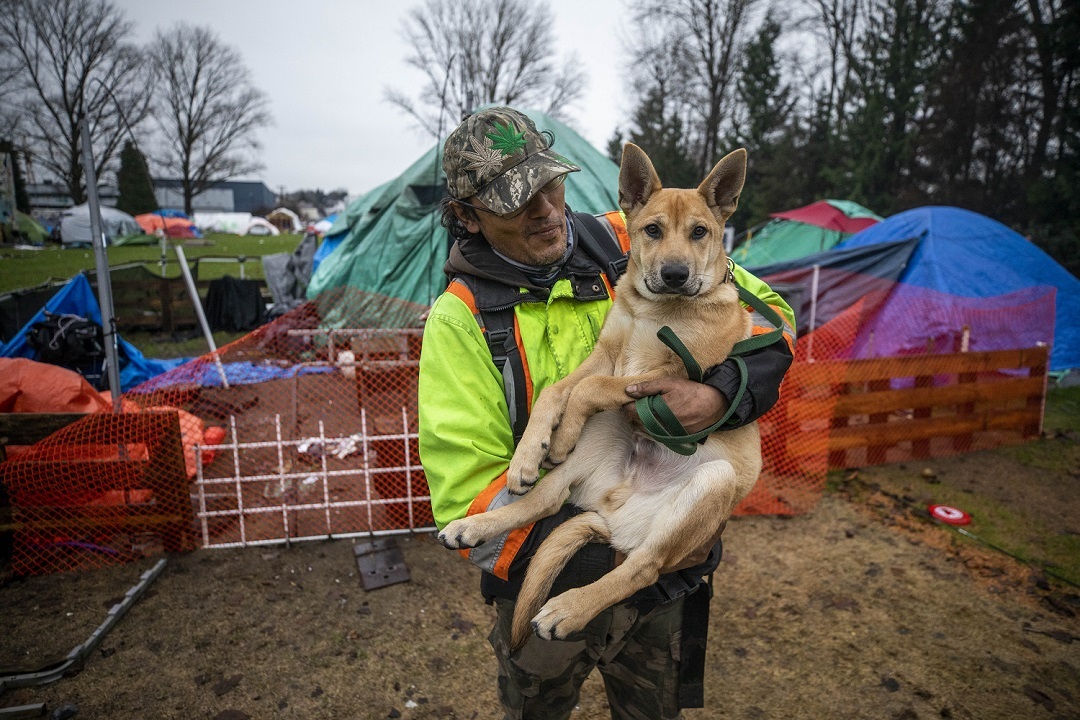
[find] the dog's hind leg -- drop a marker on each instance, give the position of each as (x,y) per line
(572,610)
(689,520)
(550,559)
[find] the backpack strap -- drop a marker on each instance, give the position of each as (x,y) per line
(499,327)
(604,246)
(500,332)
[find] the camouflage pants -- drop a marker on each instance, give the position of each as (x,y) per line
(637,655)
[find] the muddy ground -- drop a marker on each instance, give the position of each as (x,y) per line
(862,608)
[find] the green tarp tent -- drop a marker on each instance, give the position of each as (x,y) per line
(808,230)
(30,229)
(393,243)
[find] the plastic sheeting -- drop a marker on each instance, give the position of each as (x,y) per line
(75,225)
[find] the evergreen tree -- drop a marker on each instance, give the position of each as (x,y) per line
(134,183)
(659,132)
(22,200)
(615,146)
(765,104)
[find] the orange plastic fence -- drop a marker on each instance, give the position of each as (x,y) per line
(307,428)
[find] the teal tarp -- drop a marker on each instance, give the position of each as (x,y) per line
(393,242)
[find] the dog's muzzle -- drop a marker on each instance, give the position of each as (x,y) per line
(674,279)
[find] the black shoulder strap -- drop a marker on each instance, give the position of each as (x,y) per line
(497,325)
(601,245)
(501,340)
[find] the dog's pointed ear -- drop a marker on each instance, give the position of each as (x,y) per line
(637,179)
(724,184)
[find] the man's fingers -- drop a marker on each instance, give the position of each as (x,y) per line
(649,387)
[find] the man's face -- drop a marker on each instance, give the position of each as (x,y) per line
(536,236)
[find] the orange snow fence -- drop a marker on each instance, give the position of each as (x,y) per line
(307,429)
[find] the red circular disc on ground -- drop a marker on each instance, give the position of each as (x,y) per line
(950,515)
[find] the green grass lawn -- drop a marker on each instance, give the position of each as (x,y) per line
(28,268)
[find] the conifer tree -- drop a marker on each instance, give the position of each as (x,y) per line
(134,183)
(22,200)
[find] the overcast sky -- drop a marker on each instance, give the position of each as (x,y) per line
(324,64)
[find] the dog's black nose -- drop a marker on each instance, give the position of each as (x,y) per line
(674,275)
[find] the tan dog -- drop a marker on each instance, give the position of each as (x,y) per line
(650,503)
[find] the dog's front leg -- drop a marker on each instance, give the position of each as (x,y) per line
(590,396)
(546,416)
(544,500)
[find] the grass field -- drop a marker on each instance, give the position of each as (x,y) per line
(27,268)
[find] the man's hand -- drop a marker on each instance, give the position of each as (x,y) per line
(696,405)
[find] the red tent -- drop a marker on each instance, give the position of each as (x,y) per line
(826,214)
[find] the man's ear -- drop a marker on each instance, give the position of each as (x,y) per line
(467,216)
(637,179)
(724,185)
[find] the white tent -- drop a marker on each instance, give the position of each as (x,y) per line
(75,225)
(235,223)
(285,220)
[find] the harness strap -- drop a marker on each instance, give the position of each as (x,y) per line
(655,415)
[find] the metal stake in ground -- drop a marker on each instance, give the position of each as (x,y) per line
(101,261)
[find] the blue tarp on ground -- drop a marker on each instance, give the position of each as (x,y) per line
(77,298)
(965,254)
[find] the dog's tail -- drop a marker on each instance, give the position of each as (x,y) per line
(550,559)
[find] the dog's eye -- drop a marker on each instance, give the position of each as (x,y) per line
(698,232)
(652,230)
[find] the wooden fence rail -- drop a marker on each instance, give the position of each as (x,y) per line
(892,409)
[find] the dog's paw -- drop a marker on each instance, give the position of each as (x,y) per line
(558,453)
(521,476)
(559,618)
(461,534)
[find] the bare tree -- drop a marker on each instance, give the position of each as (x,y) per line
(207,109)
(474,52)
(710,31)
(72,59)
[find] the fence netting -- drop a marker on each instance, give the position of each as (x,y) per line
(307,428)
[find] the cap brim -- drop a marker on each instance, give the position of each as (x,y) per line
(513,190)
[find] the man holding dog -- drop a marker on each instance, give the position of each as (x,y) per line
(531,284)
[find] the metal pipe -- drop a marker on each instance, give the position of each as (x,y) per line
(194,294)
(101,262)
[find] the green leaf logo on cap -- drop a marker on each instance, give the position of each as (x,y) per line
(506,139)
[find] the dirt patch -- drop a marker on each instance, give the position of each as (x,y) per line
(862,608)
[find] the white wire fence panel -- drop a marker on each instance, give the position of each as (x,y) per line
(306,488)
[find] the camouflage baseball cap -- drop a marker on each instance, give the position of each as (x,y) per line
(498,155)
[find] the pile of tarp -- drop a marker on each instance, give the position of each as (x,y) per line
(77,299)
(171,225)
